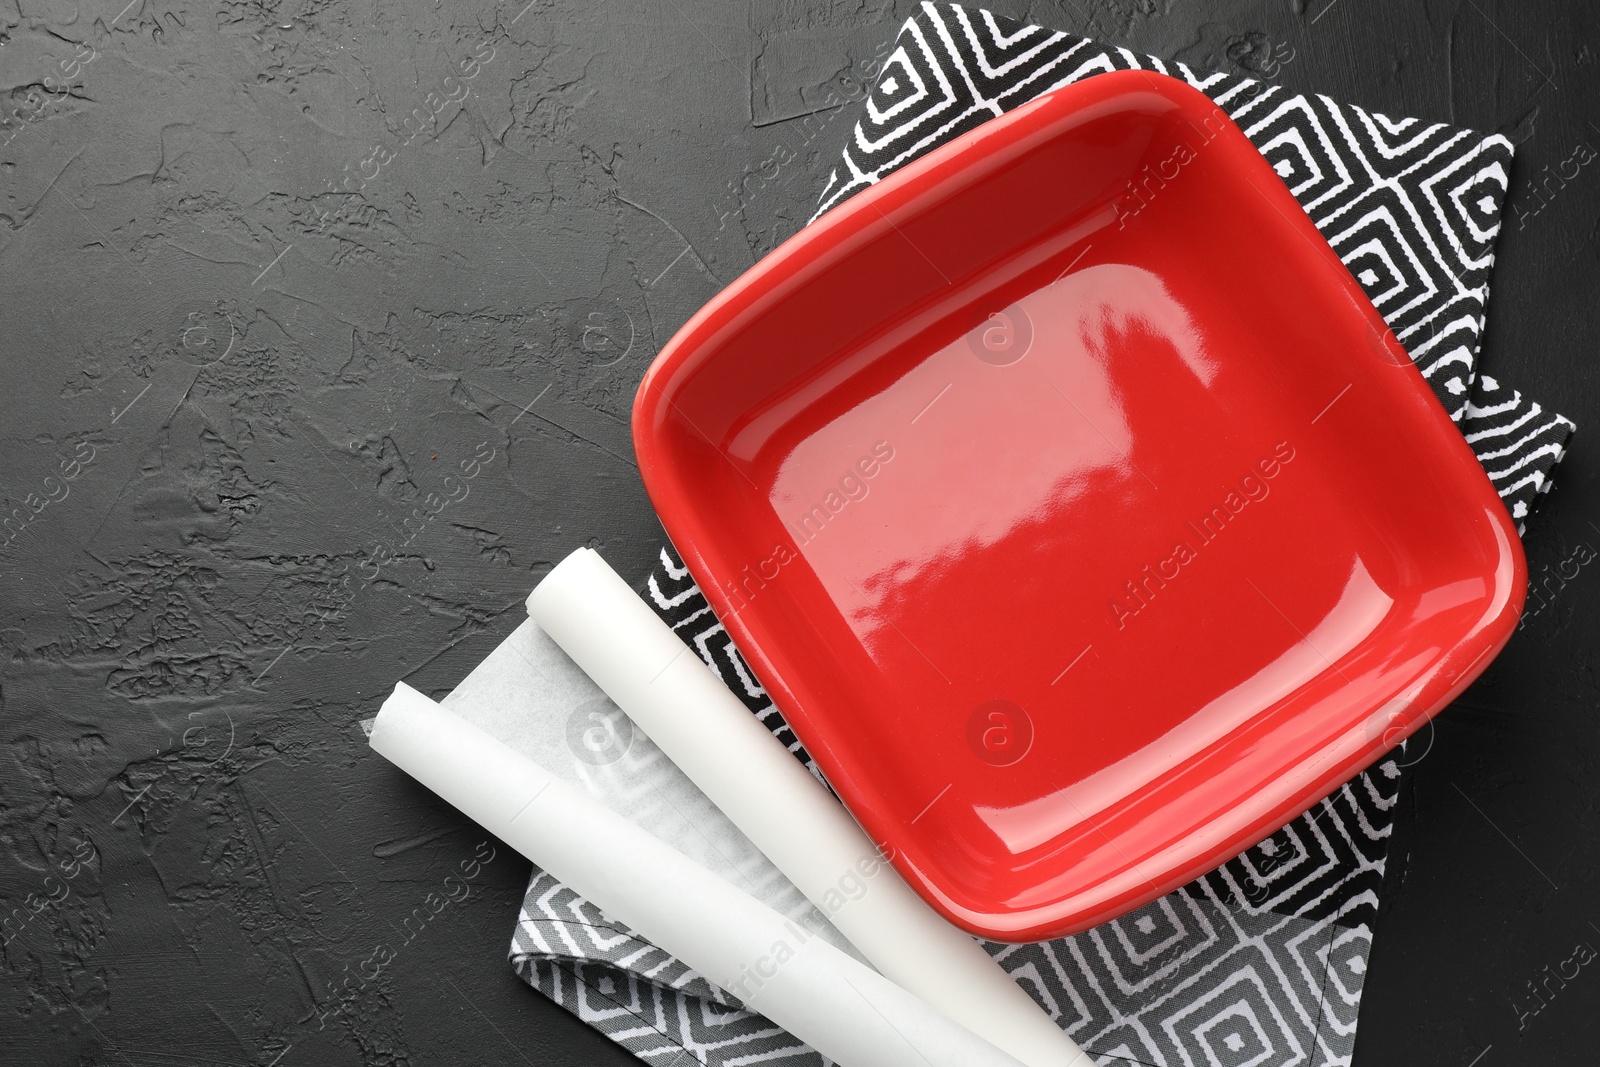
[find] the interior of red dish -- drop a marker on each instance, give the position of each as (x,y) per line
(1076,507)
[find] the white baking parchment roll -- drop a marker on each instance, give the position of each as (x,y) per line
(837,1005)
(529,695)
(703,728)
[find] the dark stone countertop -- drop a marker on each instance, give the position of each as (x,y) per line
(304,465)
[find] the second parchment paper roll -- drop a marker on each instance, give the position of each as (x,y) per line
(833,1002)
(703,728)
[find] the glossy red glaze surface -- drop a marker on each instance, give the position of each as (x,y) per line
(1076,507)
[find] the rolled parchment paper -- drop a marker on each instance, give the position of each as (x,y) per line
(529,694)
(703,728)
(833,1002)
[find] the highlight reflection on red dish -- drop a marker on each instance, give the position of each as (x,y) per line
(1085,531)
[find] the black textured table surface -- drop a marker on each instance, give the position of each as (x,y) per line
(319,326)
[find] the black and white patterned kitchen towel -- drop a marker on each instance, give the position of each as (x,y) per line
(1261,961)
